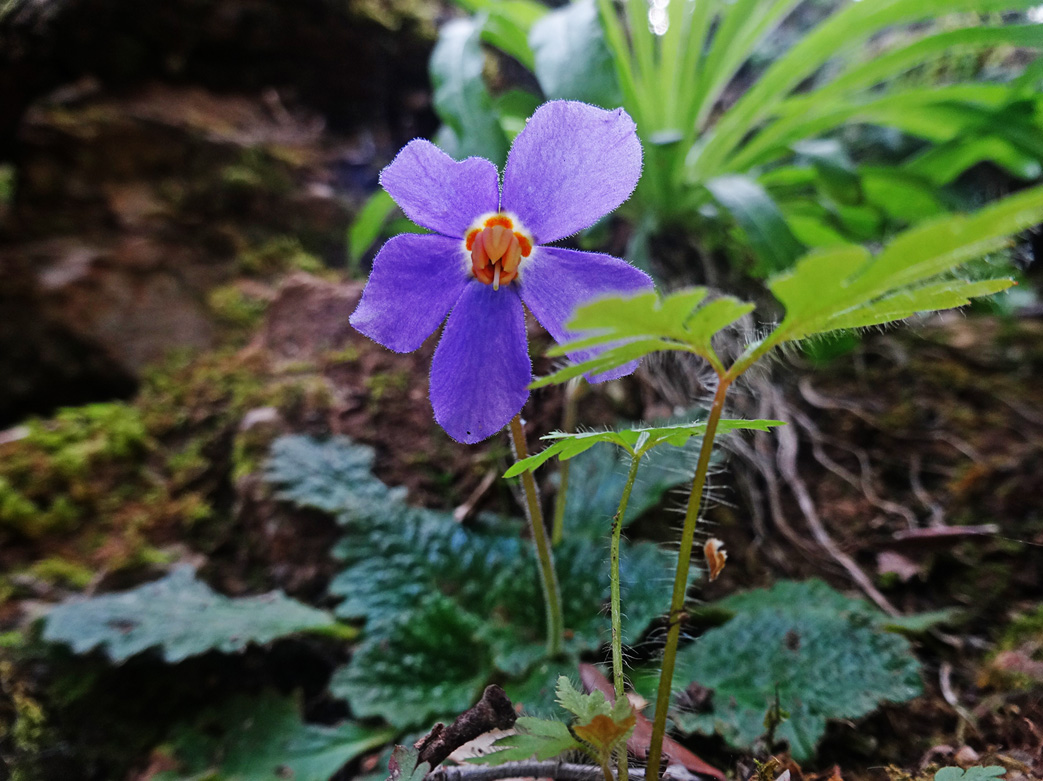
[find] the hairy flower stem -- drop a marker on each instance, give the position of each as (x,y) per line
(617,616)
(573,392)
(684,560)
(551,590)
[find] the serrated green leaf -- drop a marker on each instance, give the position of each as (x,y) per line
(631,327)
(422,666)
(826,655)
(927,298)
(460,96)
(541,739)
(596,481)
(580,704)
(572,61)
(179,615)
(635,441)
(976,773)
(263,739)
(830,286)
(333,476)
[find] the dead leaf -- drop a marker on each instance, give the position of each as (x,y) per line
(715,555)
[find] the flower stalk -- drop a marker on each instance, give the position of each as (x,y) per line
(548,577)
(684,560)
(617,614)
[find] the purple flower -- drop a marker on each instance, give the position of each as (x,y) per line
(570,166)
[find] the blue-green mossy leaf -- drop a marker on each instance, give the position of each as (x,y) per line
(826,655)
(180,616)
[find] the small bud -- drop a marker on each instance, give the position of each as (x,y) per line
(715,556)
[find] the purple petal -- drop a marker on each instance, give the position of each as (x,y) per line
(481,369)
(415,281)
(569,167)
(554,282)
(438,192)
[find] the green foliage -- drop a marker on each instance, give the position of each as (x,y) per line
(635,441)
(444,604)
(179,615)
(460,97)
(773,156)
(262,738)
(825,656)
(584,707)
(541,739)
(599,727)
(632,327)
(367,226)
(405,765)
(571,60)
(597,477)
(334,476)
(847,287)
(759,217)
(421,665)
(976,773)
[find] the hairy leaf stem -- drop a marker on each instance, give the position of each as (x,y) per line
(574,390)
(548,577)
(617,615)
(684,560)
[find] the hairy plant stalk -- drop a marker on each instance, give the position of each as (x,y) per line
(684,560)
(617,615)
(548,577)
(573,392)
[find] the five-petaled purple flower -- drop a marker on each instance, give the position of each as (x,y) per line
(570,166)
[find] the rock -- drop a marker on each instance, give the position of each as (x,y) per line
(309,317)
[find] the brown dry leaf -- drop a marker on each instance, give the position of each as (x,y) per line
(603,732)
(641,738)
(715,555)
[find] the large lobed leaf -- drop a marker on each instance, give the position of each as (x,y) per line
(179,615)
(823,655)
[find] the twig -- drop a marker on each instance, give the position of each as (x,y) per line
(787,460)
(493,711)
(562,771)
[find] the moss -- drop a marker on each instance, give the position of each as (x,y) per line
(7,184)
(235,308)
(256,171)
(379,385)
(276,256)
(108,487)
(62,572)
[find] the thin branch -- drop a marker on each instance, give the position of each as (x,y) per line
(562,771)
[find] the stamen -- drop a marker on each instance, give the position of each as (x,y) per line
(496,250)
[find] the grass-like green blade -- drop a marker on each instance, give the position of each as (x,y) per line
(851,25)
(864,75)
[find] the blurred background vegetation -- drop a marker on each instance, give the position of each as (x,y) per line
(235,545)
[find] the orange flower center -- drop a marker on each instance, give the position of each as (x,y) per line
(496,250)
